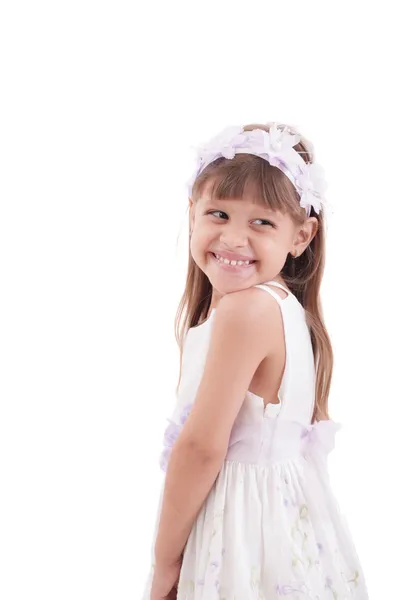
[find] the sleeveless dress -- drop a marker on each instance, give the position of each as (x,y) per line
(270,527)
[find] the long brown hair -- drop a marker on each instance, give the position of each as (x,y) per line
(248,175)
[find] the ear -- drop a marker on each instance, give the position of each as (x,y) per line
(305,233)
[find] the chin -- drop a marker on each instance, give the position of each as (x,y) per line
(226,287)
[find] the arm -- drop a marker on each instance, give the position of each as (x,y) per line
(241,338)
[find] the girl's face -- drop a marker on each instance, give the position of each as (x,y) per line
(239,230)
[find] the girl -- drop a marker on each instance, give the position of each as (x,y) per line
(247,510)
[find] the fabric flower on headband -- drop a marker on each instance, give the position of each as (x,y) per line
(278,144)
(313,186)
(277,148)
(224,144)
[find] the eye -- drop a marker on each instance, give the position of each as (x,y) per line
(213,212)
(265,221)
(220,212)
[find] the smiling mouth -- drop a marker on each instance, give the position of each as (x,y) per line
(233,263)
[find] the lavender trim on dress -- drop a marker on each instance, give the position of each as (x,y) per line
(171,435)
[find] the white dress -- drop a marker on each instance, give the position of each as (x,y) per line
(270,527)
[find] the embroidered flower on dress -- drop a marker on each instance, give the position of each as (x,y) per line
(214,565)
(285,590)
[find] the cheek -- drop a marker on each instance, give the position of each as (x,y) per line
(202,237)
(273,250)
(197,245)
(201,242)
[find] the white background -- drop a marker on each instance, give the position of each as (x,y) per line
(100,105)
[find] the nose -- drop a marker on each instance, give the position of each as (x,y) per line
(234,236)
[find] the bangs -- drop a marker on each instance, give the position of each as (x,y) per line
(250,177)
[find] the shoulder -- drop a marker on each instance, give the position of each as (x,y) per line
(247,306)
(247,316)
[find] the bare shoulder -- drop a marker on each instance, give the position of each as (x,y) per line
(248,316)
(248,306)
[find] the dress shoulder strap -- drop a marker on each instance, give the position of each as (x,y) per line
(265,286)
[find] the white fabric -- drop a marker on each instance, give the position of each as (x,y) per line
(270,526)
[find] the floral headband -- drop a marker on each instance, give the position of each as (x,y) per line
(276,147)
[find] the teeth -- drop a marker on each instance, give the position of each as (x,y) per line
(239,263)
